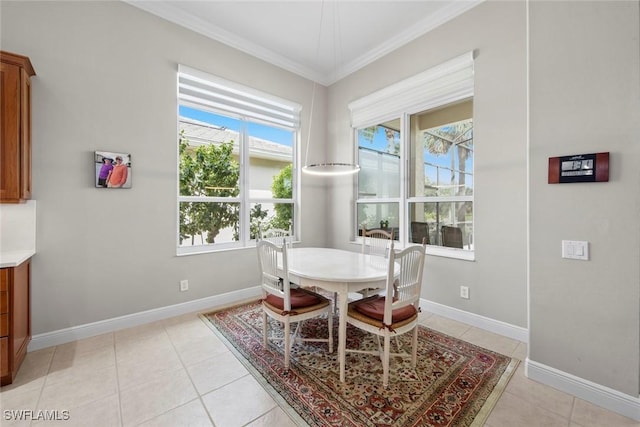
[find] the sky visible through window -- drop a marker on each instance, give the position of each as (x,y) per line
(269,133)
(379,141)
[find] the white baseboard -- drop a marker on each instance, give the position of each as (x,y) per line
(74,333)
(62,336)
(597,394)
(486,323)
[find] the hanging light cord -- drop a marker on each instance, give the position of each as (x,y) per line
(313,97)
(331,168)
(313,91)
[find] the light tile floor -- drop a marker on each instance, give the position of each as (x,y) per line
(176,372)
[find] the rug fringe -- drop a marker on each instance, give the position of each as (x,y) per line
(229,306)
(496,393)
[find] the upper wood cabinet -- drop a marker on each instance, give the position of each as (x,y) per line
(15,144)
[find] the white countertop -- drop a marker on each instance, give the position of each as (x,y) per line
(14,258)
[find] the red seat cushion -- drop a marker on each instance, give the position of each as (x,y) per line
(374,308)
(299,298)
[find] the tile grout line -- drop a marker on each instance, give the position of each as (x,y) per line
(184,366)
(119,390)
(115,357)
(44,383)
(573,406)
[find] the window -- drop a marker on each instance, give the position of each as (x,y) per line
(236,163)
(378,202)
(416,154)
(440,202)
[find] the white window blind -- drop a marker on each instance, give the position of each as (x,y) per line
(204,91)
(445,83)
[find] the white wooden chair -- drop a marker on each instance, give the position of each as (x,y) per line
(376,243)
(395,313)
(286,304)
(277,236)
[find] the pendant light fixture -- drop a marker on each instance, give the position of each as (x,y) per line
(327,168)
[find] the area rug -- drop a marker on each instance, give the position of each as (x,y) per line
(454,384)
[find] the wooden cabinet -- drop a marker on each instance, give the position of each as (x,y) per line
(15,319)
(15,133)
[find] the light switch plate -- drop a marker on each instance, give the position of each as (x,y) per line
(575,249)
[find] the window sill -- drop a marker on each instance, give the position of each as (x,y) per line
(199,250)
(440,251)
(451,253)
(223,247)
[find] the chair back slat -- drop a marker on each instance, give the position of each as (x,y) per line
(279,236)
(404,287)
(376,242)
(274,280)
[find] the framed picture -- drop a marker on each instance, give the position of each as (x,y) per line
(112,170)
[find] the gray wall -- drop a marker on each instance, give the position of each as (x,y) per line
(106,80)
(497,278)
(585,93)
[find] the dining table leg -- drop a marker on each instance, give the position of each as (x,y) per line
(343,299)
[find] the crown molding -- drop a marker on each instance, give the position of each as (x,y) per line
(200,26)
(429,23)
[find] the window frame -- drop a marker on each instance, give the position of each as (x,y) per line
(381,199)
(244,198)
(444,84)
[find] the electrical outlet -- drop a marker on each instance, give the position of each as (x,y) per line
(464,292)
(184,285)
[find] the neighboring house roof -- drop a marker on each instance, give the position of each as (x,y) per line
(199,133)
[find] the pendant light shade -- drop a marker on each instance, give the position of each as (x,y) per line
(331,169)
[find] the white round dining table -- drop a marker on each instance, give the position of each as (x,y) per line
(339,271)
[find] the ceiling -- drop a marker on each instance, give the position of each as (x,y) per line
(320,40)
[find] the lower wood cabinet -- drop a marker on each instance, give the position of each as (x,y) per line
(15,319)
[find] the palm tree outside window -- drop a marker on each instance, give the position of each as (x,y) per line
(441,172)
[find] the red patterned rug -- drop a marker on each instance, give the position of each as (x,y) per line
(454,384)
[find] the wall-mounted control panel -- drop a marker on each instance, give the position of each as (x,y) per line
(575,249)
(579,168)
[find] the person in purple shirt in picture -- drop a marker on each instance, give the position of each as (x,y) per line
(105,171)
